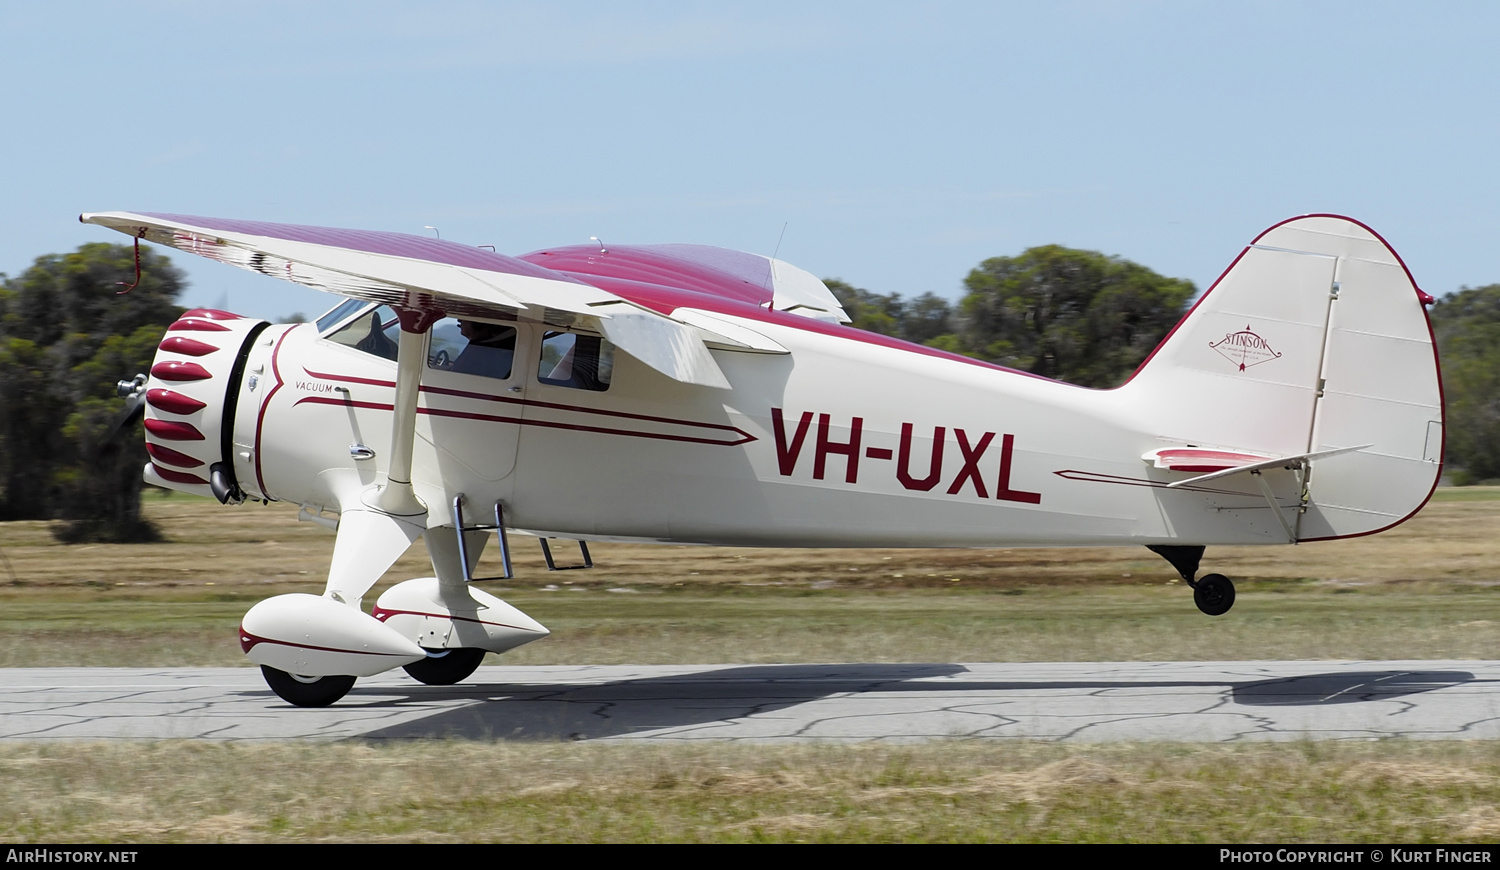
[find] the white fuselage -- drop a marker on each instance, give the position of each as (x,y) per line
(839,443)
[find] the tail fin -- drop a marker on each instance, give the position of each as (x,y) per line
(1314,339)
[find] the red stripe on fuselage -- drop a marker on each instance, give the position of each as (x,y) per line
(545,424)
(531,403)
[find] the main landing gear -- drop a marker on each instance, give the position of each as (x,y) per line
(446,667)
(301,691)
(1214,593)
(440,668)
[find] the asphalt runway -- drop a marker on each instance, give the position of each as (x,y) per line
(1070,701)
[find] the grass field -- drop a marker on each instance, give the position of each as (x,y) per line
(1429,589)
(436,791)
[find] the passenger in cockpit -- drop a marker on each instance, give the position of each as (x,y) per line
(490,351)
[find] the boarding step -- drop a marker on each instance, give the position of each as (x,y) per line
(499,528)
(463,550)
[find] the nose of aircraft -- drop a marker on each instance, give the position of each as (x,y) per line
(193,381)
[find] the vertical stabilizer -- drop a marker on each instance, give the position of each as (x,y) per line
(1315,339)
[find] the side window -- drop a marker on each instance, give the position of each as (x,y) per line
(337,315)
(376,332)
(472,347)
(583,362)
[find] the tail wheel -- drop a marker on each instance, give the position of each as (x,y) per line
(446,667)
(303,691)
(1214,594)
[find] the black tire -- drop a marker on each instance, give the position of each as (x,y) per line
(454,666)
(307,691)
(1214,595)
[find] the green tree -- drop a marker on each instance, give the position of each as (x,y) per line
(66,336)
(1467,328)
(1077,316)
(867,310)
(920,320)
(926,319)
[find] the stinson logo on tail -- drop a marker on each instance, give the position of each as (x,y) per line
(1244,348)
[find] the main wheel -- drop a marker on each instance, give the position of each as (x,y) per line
(446,667)
(307,691)
(1214,594)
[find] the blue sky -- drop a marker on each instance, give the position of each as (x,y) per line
(898,144)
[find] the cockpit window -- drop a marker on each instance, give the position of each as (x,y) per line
(582,362)
(472,347)
(377,332)
(337,315)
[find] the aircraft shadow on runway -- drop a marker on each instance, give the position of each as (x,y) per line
(576,711)
(1345,688)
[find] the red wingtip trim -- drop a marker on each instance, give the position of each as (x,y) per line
(180,371)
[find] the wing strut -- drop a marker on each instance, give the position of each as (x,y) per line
(396,497)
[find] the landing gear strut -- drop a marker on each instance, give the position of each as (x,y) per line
(1214,594)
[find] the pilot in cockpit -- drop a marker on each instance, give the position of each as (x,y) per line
(489,352)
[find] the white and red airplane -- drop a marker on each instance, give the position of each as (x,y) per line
(689,394)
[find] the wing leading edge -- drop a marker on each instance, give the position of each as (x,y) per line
(415,272)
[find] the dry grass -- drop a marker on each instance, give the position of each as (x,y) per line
(1012,791)
(255,548)
(1427,589)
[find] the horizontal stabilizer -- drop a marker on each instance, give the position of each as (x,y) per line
(1200,459)
(1253,463)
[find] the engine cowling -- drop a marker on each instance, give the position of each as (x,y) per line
(191,395)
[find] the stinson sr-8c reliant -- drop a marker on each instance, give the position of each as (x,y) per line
(689,394)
